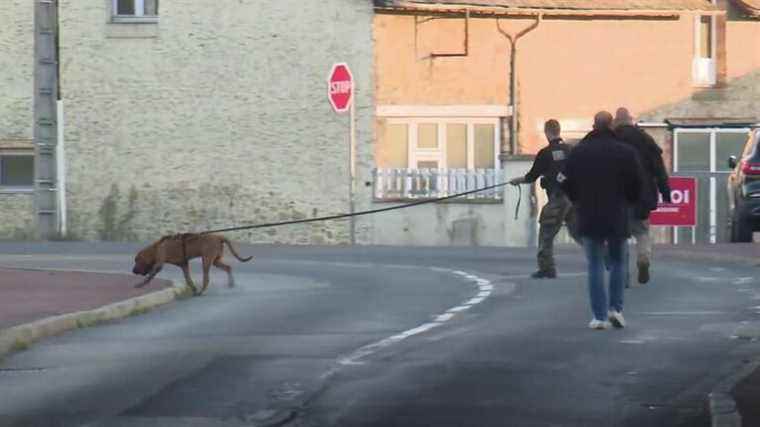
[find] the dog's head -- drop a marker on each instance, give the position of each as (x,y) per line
(145,260)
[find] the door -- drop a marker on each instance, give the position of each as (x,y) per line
(703,154)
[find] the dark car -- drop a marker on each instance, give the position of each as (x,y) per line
(744,191)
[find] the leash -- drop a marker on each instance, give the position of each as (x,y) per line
(369,212)
(519,200)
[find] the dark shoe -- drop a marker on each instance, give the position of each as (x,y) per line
(541,274)
(643,272)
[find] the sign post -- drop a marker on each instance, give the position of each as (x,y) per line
(682,210)
(340,93)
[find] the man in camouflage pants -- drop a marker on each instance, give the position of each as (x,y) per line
(558,210)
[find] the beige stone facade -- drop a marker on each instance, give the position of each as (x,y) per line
(16,113)
(216,115)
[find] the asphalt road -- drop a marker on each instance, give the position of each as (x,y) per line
(387,337)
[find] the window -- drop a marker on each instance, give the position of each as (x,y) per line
(135,9)
(16,171)
(703,68)
(447,143)
(433,157)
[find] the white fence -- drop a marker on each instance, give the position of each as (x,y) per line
(394,184)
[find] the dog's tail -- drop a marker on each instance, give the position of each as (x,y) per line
(234,252)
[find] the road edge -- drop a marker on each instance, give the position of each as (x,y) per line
(688,255)
(21,337)
(721,404)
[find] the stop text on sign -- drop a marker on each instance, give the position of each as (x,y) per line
(340,87)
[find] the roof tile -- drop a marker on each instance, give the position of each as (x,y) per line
(750,6)
(655,5)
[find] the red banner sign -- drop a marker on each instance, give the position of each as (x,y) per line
(682,209)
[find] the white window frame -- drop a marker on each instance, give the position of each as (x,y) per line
(713,144)
(713,132)
(138,17)
(16,189)
(704,70)
(416,154)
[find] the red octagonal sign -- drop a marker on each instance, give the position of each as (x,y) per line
(340,87)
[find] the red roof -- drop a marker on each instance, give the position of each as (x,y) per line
(560,5)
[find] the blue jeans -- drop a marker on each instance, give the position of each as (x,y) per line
(618,265)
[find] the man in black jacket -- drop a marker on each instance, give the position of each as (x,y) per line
(603,179)
(558,210)
(655,181)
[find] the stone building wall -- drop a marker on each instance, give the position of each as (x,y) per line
(215,116)
(16,113)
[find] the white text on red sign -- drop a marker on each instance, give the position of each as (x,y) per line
(340,87)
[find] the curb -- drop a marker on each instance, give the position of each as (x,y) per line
(720,402)
(22,336)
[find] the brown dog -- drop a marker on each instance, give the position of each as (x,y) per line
(179,249)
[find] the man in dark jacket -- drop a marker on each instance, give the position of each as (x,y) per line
(655,181)
(602,178)
(558,210)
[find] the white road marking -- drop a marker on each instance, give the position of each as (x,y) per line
(527,276)
(744,280)
(484,291)
(474,301)
(444,317)
(707,279)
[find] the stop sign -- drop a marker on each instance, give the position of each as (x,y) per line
(340,87)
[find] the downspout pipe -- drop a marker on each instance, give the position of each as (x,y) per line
(513,39)
(60,155)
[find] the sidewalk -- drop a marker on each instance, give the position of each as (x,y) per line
(35,304)
(746,391)
(741,253)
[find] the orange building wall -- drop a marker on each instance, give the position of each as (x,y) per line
(743,48)
(406,75)
(601,65)
(568,69)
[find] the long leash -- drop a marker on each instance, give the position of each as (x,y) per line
(519,200)
(368,212)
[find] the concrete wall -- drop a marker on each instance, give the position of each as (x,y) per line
(215,116)
(16,112)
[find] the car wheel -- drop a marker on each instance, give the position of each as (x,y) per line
(741,229)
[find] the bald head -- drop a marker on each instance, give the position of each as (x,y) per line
(602,120)
(623,116)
